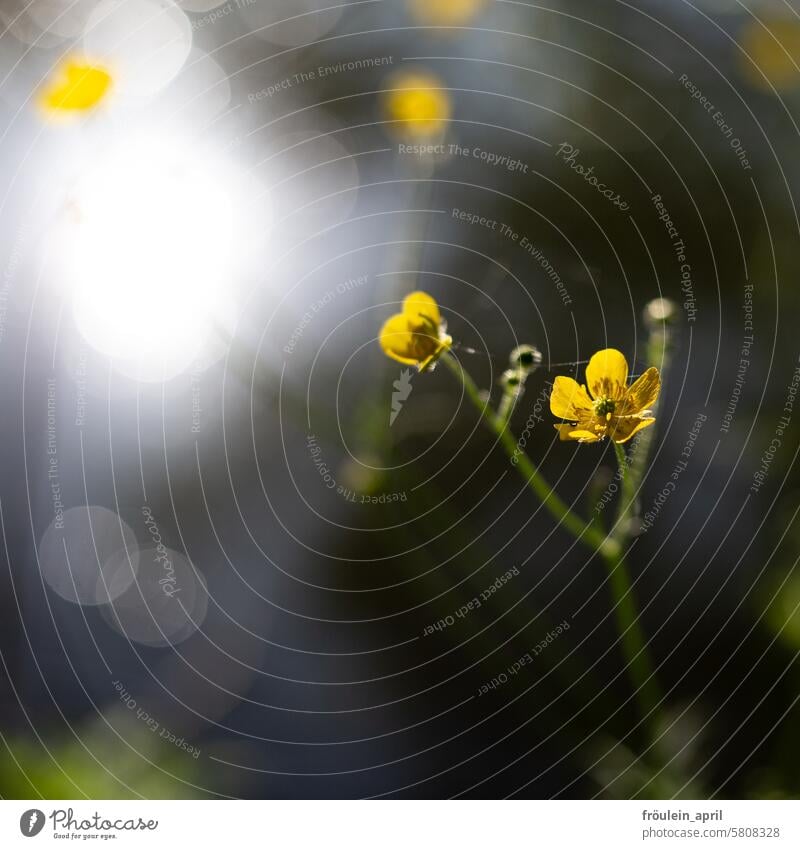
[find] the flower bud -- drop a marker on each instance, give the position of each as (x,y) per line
(525,357)
(660,311)
(512,378)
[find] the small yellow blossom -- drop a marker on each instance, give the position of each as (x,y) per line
(416,336)
(610,407)
(418,102)
(76,87)
(445,12)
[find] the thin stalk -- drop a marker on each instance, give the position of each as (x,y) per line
(586,533)
(634,644)
(610,548)
(505,408)
(627,497)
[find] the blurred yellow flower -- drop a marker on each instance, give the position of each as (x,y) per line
(445,12)
(416,336)
(773,44)
(610,407)
(419,103)
(75,87)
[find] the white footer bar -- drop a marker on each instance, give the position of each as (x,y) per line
(402,824)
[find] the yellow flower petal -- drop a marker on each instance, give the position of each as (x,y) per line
(78,87)
(445,343)
(421,305)
(642,393)
(568,433)
(624,429)
(568,399)
(607,374)
(397,339)
(416,335)
(564,431)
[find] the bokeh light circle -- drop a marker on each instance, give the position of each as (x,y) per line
(166,604)
(88,555)
(146,42)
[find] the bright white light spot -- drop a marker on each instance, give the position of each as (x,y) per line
(145,42)
(167,603)
(90,556)
(149,254)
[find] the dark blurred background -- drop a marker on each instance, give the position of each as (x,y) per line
(301,661)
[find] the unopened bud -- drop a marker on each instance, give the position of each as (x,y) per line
(512,378)
(660,311)
(525,357)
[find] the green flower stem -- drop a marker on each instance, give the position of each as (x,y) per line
(507,403)
(634,644)
(610,548)
(627,497)
(586,533)
(648,692)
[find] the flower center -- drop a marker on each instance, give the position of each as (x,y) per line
(604,406)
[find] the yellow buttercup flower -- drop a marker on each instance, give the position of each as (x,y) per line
(76,87)
(416,336)
(446,12)
(609,407)
(418,102)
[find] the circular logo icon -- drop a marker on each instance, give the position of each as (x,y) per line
(31,822)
